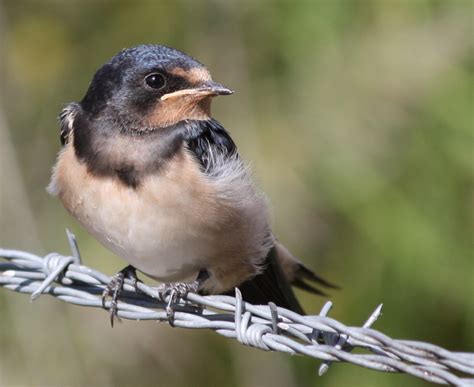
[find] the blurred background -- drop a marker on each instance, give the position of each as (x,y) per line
(358,119)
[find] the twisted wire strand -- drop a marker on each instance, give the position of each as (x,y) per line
(266,327)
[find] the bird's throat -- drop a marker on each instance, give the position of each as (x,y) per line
(170,112)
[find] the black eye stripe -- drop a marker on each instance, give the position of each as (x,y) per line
(180,82)
(155,81)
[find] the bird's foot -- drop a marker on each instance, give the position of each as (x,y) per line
(114,289)
(176,290)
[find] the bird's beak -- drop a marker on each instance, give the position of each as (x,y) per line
(208,88)
(213,88)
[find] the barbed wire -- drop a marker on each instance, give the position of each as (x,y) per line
(266,327)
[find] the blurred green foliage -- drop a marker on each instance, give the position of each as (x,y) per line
(358,119)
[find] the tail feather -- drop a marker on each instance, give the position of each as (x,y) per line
(270,286)
(299,283)
(282,271)
(299,275)
(303,272)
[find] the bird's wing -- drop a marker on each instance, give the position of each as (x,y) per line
(281,269)
(204,138)
(270,286)
(66,122)
(298,274)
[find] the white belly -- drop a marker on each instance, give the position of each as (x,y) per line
(176,222)
(158,237)
(165,228)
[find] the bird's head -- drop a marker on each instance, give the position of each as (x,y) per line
(150,87)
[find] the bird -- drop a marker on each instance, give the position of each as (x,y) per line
(148,172)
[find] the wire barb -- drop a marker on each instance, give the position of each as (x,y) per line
(266,327)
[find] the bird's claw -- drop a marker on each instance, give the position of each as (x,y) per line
(114,289)
(174,291)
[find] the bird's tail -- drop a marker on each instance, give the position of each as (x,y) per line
(299,275)
(274,284)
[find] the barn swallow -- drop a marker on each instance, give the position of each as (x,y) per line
(149,173)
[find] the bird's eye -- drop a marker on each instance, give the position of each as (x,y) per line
(155,81)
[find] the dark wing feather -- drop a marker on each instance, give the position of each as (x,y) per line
(303,273)
(66,121)
(204,137)
(270,286)
(299,283)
